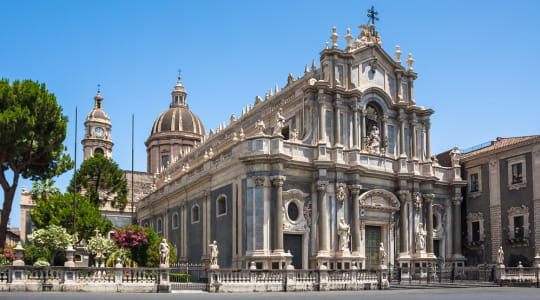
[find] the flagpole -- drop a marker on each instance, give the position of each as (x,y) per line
(132,163)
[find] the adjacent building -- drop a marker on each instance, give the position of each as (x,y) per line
(502,200)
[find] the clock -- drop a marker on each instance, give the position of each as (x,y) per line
(99,131)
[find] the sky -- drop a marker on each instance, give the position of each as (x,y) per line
(477,61)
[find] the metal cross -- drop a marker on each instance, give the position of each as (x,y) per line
(179,72)
(99,87)
(372,15)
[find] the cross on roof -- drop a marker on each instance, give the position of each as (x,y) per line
(372,15)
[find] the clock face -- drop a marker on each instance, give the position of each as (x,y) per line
(99,131)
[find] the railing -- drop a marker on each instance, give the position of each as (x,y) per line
(519,276)
(293,280)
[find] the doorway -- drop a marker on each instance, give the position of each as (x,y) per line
(293,243)
(437,248)
(373,241)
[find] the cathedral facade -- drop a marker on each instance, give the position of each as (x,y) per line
(323,173)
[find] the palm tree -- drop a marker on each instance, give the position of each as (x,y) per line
(42,190)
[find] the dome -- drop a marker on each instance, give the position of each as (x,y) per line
(178,119)
(97,114)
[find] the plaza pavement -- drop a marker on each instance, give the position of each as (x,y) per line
(491,293)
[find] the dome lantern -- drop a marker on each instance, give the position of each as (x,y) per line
(179,95)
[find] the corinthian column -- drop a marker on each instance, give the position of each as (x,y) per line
(322,119)
(363,124)
(354,109)
(428,198)
(404,219)
(323,217)
(277,231)
(427,125)
(355,190)
(402,138)
(457,225)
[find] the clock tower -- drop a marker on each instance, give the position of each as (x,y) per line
(97,133)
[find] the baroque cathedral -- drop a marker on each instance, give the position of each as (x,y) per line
(321,173)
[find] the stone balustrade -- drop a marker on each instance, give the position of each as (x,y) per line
(518,276)
(84,279)
(294,280)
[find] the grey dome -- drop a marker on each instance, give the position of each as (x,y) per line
(178,119)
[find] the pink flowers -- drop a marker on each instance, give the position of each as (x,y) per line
(130,236)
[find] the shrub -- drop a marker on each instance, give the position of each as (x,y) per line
(41,262)
(136,239)
(176,277)
(33,253)
(8,256)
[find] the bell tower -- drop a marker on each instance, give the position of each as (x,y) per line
(97,133)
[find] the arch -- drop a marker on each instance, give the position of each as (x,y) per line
(195,214)
(379,199)
(99,151)
(378,95)
(175,221)
(221,205)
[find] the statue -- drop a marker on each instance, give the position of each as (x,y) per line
(454,156)
(382,254)
(164,253)
(280,122)
(374,140)
(500,256)
(341,195)
(420,238)
(344,231)
(214,255)
(259,126)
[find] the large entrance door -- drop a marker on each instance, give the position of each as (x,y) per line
(293,242)
(373,241)
(437,248)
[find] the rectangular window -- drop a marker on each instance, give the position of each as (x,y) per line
(476,231)
(404,91)
(340,74)
(391,139)
(164,161)
(474,183)
(519,231)
(391,87)
(517,173)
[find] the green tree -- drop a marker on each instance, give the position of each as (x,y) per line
(101,178)
(53,238)
(43,189)
(58,210)
(32,130)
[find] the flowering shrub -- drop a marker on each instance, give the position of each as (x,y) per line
(100,245)
(8,256)
(130,236)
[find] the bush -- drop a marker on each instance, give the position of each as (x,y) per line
(137,240)
(42,262)
(8,256)
(176,277)
(33,253)
(153,254)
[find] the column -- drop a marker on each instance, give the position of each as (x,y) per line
(363,133)
(427,125)
(323,217)
(337,125)
(428,198)
(277,231)
(398,87)
(354,109)
(402,138)
(404,220)
(322,119)
(457,225)
(355,190)
(413,132)
(384,144)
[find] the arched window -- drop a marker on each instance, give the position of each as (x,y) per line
(221,205)
(195,214)
(175,221)
(98,151)
(159,225)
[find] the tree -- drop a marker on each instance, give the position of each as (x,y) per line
(43,189)
(101,178)
(137,240)
(32,129)
(59,211)
(53,238)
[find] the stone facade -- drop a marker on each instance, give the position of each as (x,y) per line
(345,145)
(503,187)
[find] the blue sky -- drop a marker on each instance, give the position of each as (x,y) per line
(477,60)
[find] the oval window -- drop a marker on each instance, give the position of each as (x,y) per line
(292,211)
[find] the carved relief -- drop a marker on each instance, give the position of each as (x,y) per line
(302,221)
(379,199)
(341,195)
(417,198)
(259,181)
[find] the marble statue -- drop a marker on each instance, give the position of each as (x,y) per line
(259,126)
(454,156)
(164,252)
(382,254)
(420,238)
(500,256)
(344,231)
(374,141)
(280,122)
(214,255)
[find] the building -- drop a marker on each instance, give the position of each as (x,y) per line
(502,200)
(319,174)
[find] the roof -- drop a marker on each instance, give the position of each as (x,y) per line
(178,119)
(501,143)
